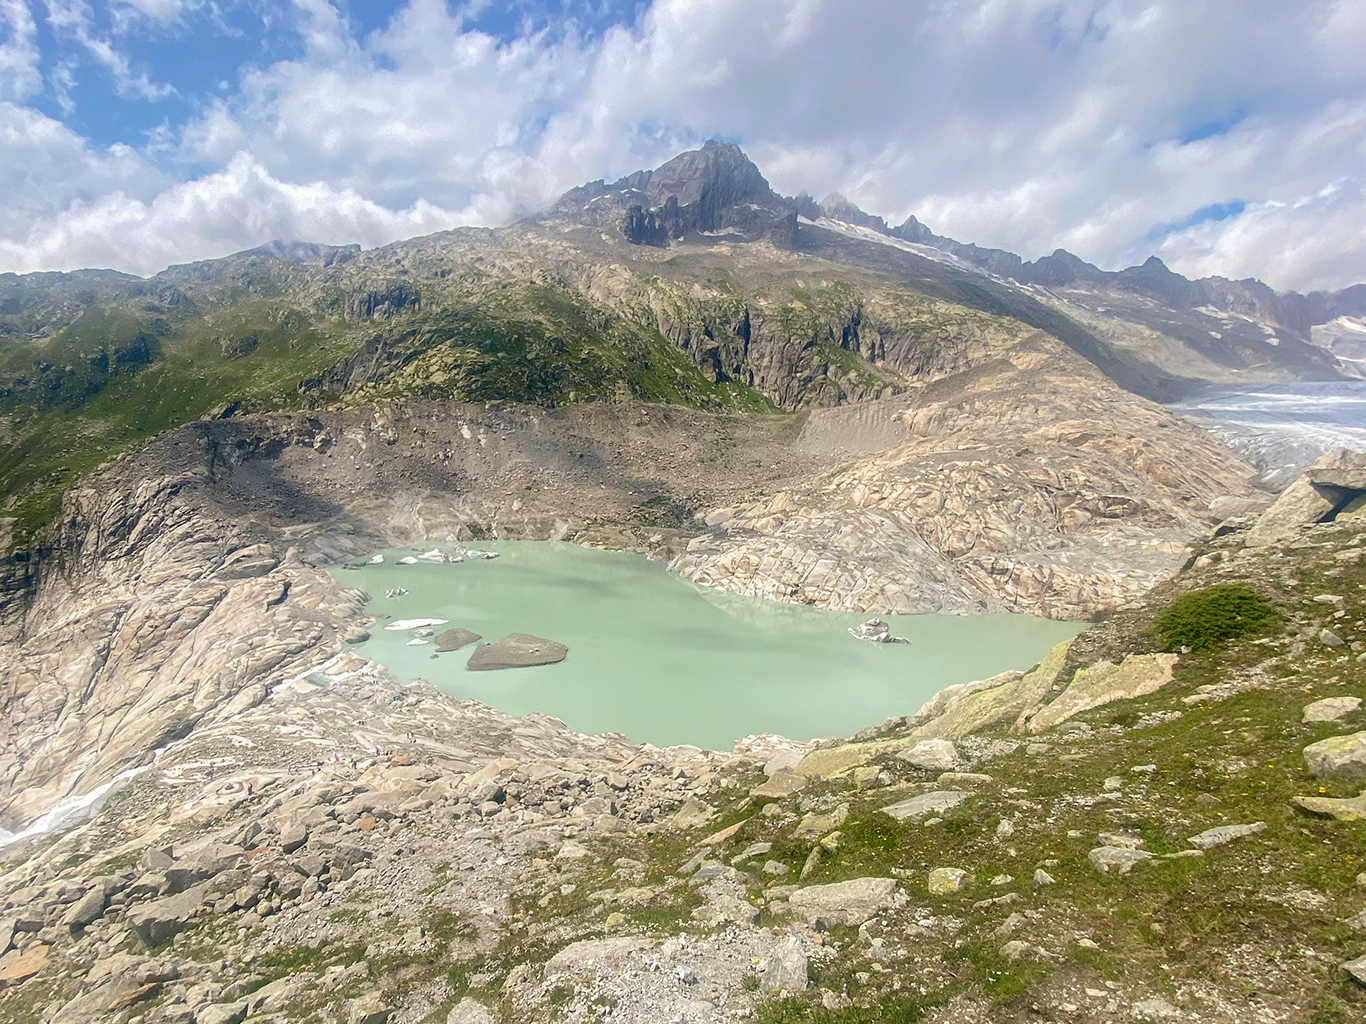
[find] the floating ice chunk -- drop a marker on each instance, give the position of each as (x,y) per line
(407,560)
(377,560)
(418,642)
(400,624)
(434,555)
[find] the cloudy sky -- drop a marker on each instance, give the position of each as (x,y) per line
(1227,136)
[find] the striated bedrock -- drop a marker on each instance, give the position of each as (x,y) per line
(158,613)
(1027,483)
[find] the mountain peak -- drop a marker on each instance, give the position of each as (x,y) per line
(715,190)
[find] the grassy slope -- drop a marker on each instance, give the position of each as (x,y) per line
(136,358)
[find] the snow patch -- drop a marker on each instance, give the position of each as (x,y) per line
(74,810)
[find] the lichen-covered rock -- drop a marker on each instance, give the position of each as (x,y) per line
(961,710)
(1340,809)
(469,1011)
(934,754)
(832,761)
(942,881)
(1338,757)
(787,968)
(1103,683)
(1213,837)
(1330,709)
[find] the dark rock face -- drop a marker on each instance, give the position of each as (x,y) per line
(454,639)
(712,190)
(382,303)
(516,650)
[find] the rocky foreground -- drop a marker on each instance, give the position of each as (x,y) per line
(1123,832)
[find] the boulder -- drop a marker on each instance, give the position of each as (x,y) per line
(832,761)
(926,803)
(86,910)
(958,711)
(1330,709)
(786,969)
(516,650)
(1329,484)
(592,956)
(370,1008)
(1100,684)
(1119,860)
(293,836)
(202,865)
(933,754)
(469,1011)
(813,824)
(1338,757)
(1357,969)
(1341,469)
(782,783)
(850,903)
(454,639)
(221,1013)
(693,813)
(942,881)
(163,919)
(16,966)
(1350,809)
(1224,834)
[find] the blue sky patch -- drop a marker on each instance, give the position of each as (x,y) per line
(1212,212)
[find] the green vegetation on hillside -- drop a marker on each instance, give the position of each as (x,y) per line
(116,378)
(1206,618)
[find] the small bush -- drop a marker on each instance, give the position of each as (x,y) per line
(1206,618)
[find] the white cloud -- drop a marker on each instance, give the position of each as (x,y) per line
(19,75)
(1028,124)
(45,167)
(74,19)
(233,209)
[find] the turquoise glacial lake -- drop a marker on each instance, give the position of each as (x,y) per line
(666,661)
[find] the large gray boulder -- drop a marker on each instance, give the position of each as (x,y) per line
(86,910)
(516,650)
(926,803)
(1327,486)
(1330,709)
(934,754)
(163,919)
(1338,757)
(202,865)
(786,969)
(850,903)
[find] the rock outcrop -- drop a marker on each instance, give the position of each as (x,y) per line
(1332,483)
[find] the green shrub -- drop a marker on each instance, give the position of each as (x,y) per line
(1206,618)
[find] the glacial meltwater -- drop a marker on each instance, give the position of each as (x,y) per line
(666,661)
